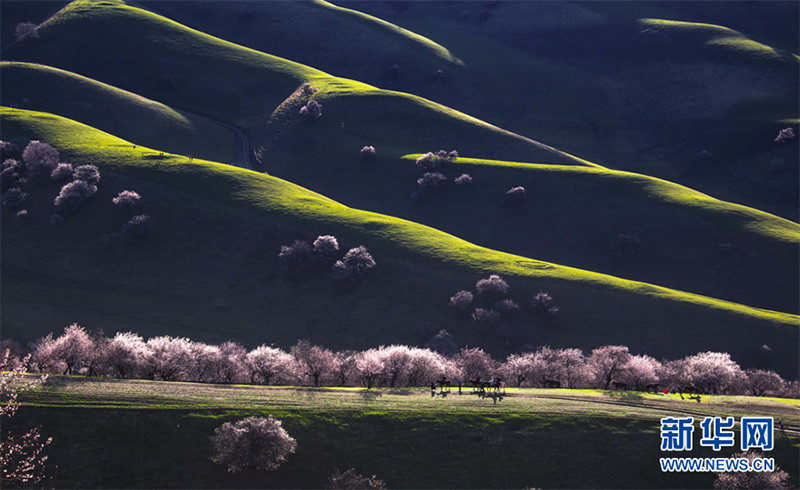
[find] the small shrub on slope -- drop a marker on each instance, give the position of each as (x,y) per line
(73,196)
(354,265)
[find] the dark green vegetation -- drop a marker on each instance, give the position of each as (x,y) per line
(547,438)
(114,111)
(206,210)
(617,84)
(647,87)
(573,217)
(210,271)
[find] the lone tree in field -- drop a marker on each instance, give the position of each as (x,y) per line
(21,458)
(515,196)
(350,480)
(368,154)
(785,135)
(254,442)
(756,480)
(127,199)
(326,246)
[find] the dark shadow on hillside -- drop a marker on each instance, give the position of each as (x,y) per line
(625,395)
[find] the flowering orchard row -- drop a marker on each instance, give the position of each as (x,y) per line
(128,355)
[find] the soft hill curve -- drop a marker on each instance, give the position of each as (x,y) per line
(211,271)
(132,117)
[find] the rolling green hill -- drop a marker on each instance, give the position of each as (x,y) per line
(190,70)
(211,273)
(564,228)
(573,215)
(600,80)
(405,437)
(132,117)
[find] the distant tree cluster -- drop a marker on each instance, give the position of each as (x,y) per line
(38,163)
(127,355)
(302,257)
(431,161)
(491,308)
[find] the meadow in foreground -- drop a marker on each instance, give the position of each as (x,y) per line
(551,438)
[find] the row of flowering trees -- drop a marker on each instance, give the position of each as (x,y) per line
(128,355)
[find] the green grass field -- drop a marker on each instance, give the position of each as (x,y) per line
(125,114)
(233,222)
(561,226)
(546,438)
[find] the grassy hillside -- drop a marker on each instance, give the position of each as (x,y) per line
(601,81)
(233,222)
(573,215)
(191,70)
(132,117)
(405,437)
(564,228)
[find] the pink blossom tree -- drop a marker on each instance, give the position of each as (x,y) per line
(73,348)
(369,367)
(40,159)
(518,367)
(712,372)
(608,363)
(474,362)
(125,354)
(345,366)
(167,358)
(21,458)
(204,360)
(43,354)
(268,364)
(231,365)
(313,361)
(254,442)
(572,367)
(761,382)
(641,371)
